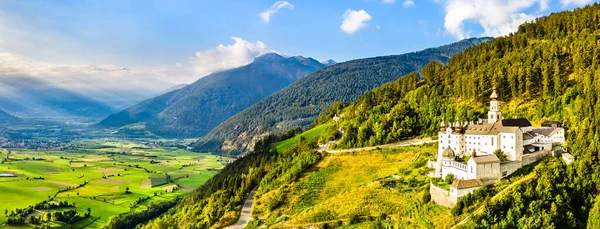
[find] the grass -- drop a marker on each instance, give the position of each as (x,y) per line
(377,187)
(107,175)
(309,135)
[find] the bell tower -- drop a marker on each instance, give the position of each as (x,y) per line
(494,114)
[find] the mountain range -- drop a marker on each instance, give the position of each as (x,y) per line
(298,104)
(195,109)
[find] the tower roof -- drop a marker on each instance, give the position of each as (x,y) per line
(448,153)
(494,94)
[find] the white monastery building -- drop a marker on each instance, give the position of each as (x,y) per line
(466,149)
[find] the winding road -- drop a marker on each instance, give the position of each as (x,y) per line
(412,142)
(246,215)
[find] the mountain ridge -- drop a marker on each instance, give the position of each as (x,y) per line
(195,109)
(299,103)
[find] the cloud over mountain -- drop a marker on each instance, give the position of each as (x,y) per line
(225,57)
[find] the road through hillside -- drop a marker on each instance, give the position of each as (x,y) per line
(412,142)
(246,215)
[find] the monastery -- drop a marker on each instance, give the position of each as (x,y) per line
(468,150)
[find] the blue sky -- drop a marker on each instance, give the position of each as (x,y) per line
(176,41)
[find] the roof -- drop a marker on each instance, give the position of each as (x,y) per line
(490,128)
(551,122)
(549,131)
(528,136)
(518,122)
(448,153)
(528,148)
(486,159)
(494,95)
(463,184)
(481,129)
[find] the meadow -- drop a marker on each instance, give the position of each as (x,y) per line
(309,135)
(110,177)
(383,187)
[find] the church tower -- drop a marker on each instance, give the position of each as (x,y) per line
(494,114)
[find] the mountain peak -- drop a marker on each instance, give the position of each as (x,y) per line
(329,62)
(269,57)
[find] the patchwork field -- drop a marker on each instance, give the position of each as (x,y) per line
(383,187)
(108,177)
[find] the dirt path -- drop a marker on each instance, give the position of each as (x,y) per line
(412,142)
(246,215)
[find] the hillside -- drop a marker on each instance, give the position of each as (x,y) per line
(546,70)
(298,104)
(195,109)
(29,97)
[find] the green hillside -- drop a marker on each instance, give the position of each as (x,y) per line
(298,104)
(310,135)
(547,70)
(195,109)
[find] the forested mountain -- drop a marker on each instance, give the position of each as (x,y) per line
(298,104)
(29,97)
(195,109)
(549,69)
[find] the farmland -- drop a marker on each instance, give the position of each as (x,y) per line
(109,177)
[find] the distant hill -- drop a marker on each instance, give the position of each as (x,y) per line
(195,109)
(6,118)
(299,103)
(28,97)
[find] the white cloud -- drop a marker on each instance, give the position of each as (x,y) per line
(266,15)
(496,17)
(408,3)
(225,57)
(389,1)
(354,20)
(576,2)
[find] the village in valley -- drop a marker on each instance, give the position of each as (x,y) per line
(474,154)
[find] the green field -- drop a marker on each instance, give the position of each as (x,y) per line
(107,168)
(309,135)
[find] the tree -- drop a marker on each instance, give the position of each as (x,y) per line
(500,155)
(449,178)
(127,190)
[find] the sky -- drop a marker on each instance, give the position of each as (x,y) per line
(153,45)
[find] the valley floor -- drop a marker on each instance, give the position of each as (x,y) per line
(108,177)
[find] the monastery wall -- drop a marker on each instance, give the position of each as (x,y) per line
(441,197)
(533,157)
(509,167)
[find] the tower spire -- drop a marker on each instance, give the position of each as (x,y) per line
(494,114)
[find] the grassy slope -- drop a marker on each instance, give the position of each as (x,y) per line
(309,135)
(344,186)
